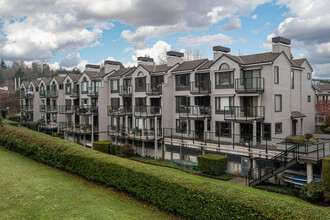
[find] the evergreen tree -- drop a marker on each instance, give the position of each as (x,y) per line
(3,64)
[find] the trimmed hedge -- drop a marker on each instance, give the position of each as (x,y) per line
(59,135)
(32,125)
(15,118)
(326,172)
(102,146)
(212,164)
(187,195)
(313,191)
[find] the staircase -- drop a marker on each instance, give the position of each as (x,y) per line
(277,164)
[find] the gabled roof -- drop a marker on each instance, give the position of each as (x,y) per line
(156,68)
(59,79)
(35,82)
(206,65)
(189,65)
(259,58)
(74,77)
(297,114)
(26,83)
(122,71)
(299,62)
(47,80)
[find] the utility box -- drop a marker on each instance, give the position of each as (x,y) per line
(245,166)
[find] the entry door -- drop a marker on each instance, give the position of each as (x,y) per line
(247,132)
(199,128)
(294,127)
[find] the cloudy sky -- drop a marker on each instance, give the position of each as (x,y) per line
(71,33)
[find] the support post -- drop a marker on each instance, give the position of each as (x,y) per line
(309,172)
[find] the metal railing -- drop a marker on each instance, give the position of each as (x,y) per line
(67,109)
(81,128)
(27,95)
(244,113)
(147,111)
(51,108)
(47,124)
(119,110)
(134,133)
(74,93)
(202,87)
(86,110)
(194,111)
(249,85)
(154,89)
(125,90)
(51,93)
(93,92)
(26,108)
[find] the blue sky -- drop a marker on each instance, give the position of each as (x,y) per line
(69,33)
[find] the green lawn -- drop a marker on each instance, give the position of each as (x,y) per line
(29,189)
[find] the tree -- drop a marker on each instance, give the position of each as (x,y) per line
(1,77)
(3,64)
(75,70)
(19,73)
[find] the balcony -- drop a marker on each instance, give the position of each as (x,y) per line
(26,95)
(147,111)
(51,108)
(51,93)
(42,94)
(154,89)
(26,108)
(195,112)
(86,110)
(244,114)
(119,111)
(93,92)
(203,87)
(67,109)
(125,91)
(81,128)
(145,135)
(250,85)
(47,124)
(74,93)
(63,126)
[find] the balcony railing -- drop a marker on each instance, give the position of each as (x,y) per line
(47,124)
(81,128)
(74,93)
(244,113)
(148,111)
(67,109)
(42,94)
(119,110)
(134,133)
(51,108)
(203,87)
(154,89)
(51,93)
(26,95)
(93,92)
(195,112)
(26,108)
(125,90)
(87,110)
(63,126)
(249,85)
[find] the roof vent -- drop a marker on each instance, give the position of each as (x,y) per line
(111,62)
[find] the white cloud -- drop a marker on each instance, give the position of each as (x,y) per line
(71,61)
(254,17)
(190,41)
(234,24)
(267,24)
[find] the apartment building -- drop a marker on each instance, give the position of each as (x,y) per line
(322,104)
(181,108)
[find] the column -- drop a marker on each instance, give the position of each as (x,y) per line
(92,138)
(156,137)
(126,124)
(309,168)
(143,149)
(254,133)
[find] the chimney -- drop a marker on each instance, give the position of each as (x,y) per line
(173,58)
(110,65)
(219,50)
(282,44)
(92,67)
(145,61)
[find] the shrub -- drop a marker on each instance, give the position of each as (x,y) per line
(32,125)
(296,139)
(1,119)
(4,113)
(327,129)
(189,196)
(313,192)
(212,164)
(102,146)
(118,151)
(112,149)
(308,136)
(127,150)
(8,122)
(16,118)
(326,172)
(59,134)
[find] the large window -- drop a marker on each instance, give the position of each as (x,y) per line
(140,84)
(292,79)
(278,103)
(222,102)
(115,102)
(276,74)
(140,102)
(181,126)
(278,128)
(267,132)
(224,80)
(114,86)
(222,129)
(67,88)
(181,100)
(84,86)
(182,82)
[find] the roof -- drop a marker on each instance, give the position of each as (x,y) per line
(259,58)
(59,79)
(321,87)
(297,114)
(47,80)
(189,65)
(26,83)
(206,65)
(75,77)
(122,71)
(156,68)
(299,62)
(35,82)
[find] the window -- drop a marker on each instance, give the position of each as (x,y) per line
(292,80)
(140,84)
(84,85)
(222,129)
(267,132)
(181,100)
(222,102)
(115,102)
(182,82)
(67,88)
(61,86)
(114,86)
(278,128)
(308,76)
(140,102)
(224,80)
(278,103)
(181,126)
(308,98)
(96,85)
(276,74)
(37,89)
(140,74)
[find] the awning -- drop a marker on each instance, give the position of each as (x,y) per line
(296,114)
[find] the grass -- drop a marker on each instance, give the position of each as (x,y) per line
(287,190)
(8,122)
(29,189)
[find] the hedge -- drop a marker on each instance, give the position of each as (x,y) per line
(187,195)
(59,134)
(326,172)
(4,113)
(32,125)
(15,118)
(102,146)
(212,164)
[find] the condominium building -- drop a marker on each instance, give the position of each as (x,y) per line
(182,107)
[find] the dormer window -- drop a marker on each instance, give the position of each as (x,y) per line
(225,77)
(140,82)
(68,87)
(84,85)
